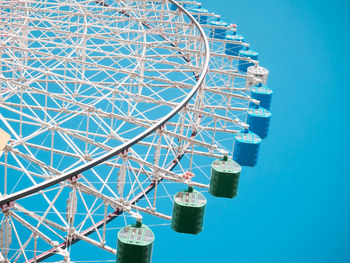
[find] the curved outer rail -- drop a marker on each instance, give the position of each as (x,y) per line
(51,182)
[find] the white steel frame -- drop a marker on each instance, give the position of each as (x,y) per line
(45,83)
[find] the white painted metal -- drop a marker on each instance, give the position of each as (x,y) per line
(257,74)
(106,102)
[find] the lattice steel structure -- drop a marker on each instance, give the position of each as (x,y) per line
(108,105)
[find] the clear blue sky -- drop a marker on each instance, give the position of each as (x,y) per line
(294,206)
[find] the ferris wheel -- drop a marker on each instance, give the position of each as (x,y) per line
(116,116)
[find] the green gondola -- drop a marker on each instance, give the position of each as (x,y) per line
(224,178)
(188,211)
(135,244)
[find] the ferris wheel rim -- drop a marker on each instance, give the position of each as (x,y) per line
(119,149)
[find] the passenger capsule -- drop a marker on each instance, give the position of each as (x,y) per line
(232,49)
(200,15)
(215,32)
(135,244)
(247,53)
(224,178)
(188,211)
(246,148)
(259,121)
(263,94)
(259,73)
